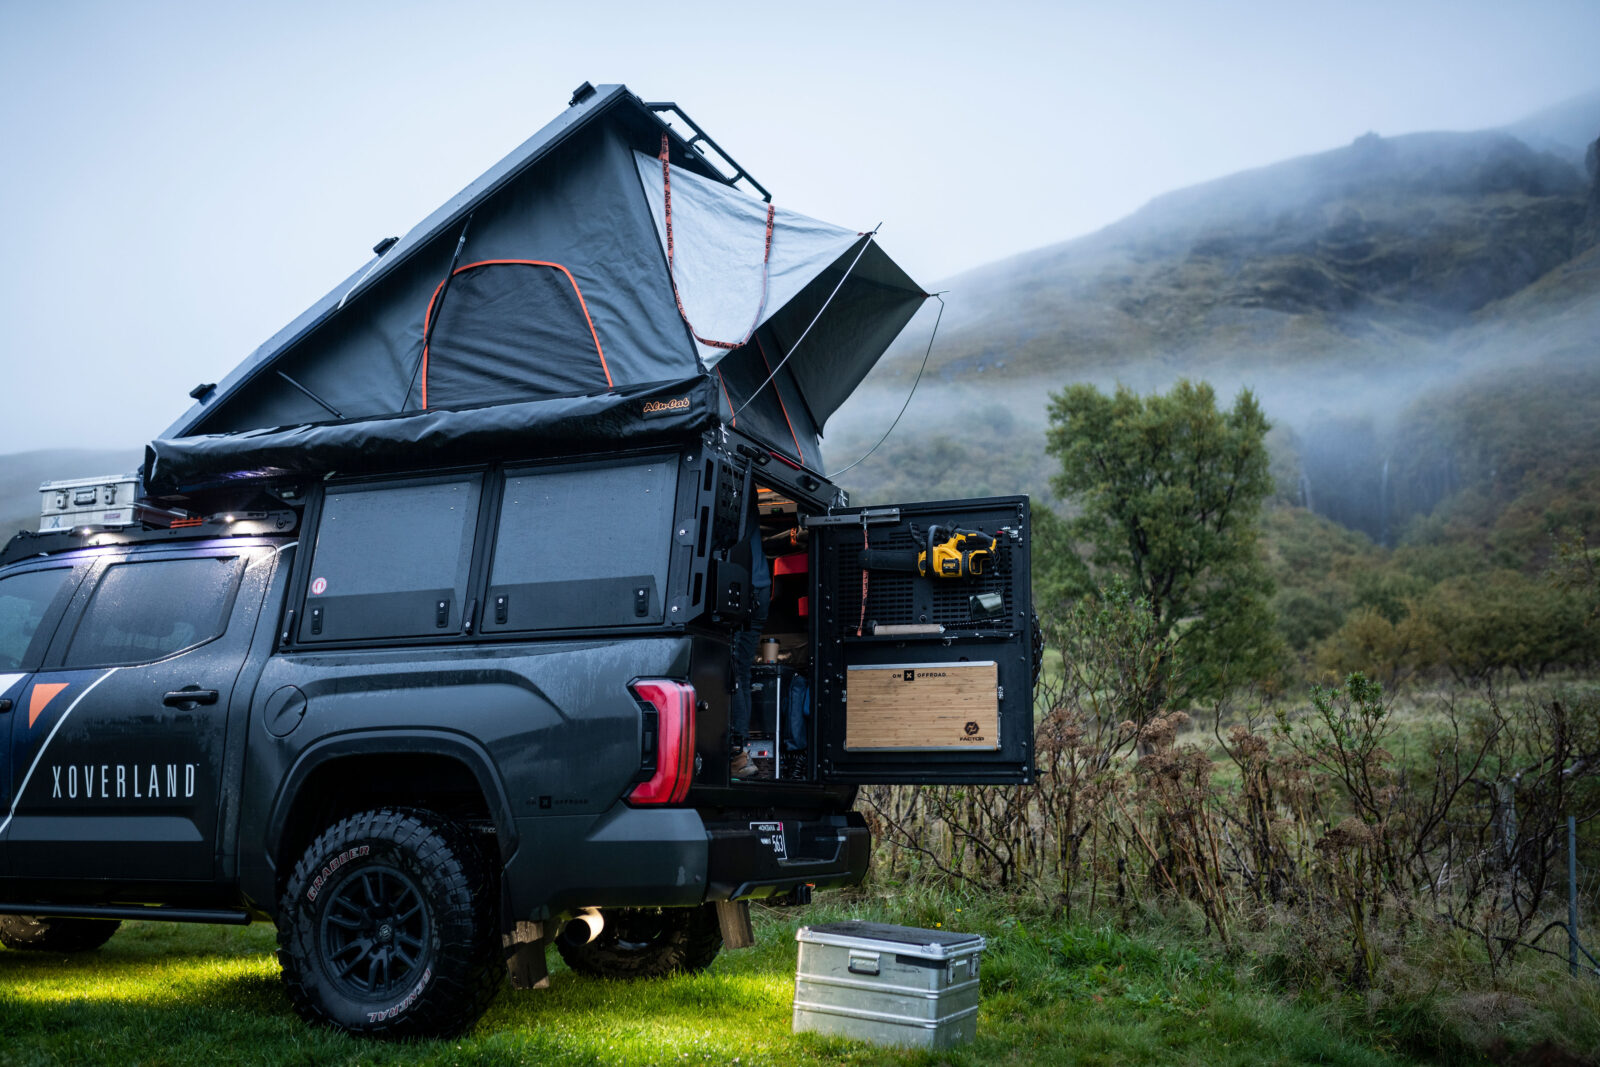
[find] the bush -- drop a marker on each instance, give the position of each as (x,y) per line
(1369,642)
(1505,621)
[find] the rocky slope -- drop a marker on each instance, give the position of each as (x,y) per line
(1343,287)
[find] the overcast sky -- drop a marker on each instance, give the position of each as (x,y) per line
(179,180)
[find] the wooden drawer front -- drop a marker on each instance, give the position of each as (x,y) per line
(923,706)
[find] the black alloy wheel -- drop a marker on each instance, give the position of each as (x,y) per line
(389,927)
(375,932)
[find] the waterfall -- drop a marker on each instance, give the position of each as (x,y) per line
(1383,505)
(1305,492)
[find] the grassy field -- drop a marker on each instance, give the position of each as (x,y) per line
(1052,993)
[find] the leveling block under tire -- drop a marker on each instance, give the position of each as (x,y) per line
(647,943)
(388,927)
(33,934)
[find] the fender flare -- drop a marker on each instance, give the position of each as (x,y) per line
(385,741)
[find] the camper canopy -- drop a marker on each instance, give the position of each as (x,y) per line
(606,282)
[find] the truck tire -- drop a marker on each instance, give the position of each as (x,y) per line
(46,934)
(388,927)
(648,943)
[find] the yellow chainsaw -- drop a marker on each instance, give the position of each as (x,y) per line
(945,552)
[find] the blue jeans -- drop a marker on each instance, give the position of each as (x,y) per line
(796,710)
(745,643)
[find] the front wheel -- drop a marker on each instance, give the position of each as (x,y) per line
(35,934)
(647,943)
(387,927)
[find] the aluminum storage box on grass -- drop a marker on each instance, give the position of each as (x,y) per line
(892,985)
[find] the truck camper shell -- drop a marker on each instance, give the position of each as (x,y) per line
(604,283)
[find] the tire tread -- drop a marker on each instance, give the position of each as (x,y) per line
(466,977)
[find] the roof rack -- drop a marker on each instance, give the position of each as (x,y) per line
(26,544)
(739,173)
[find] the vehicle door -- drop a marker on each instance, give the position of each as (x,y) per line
(923,679)
(32,600)
(126,756)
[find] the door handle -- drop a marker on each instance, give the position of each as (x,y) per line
(189,698)
(5,704)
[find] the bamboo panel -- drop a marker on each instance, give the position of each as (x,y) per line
(923,706)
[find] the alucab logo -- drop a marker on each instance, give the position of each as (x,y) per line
(122,781)
(662,407)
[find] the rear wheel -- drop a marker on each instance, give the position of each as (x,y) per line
(44,934)
(388,927)
(648,943)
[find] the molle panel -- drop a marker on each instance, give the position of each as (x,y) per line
(895,598)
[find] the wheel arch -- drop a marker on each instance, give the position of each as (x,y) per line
(337,776)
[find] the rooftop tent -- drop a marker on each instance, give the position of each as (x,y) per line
(542,294)
(722,274)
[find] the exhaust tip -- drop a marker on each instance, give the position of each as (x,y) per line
(583,927)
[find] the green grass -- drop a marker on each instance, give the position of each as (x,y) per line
(1052,993)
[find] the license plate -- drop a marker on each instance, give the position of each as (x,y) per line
(772,836)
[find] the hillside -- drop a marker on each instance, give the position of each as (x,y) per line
(1350,251)
(1343,287)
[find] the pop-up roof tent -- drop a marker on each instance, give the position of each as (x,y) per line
(603,284)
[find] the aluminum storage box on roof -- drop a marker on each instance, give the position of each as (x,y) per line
(892,985)
(104,501)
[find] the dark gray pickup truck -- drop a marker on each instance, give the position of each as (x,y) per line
(423,721)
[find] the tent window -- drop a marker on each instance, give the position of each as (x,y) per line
(392,560)
(510,330)
(583,546)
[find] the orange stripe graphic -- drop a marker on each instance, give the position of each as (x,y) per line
(42,695)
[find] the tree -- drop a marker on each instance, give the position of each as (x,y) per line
(1170,490)
(1504,620)
(1369,642)
(1060,576)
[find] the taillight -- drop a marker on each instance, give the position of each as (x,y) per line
(674,742)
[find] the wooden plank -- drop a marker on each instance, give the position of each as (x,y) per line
(913,706)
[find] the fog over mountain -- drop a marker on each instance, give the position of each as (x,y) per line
(1344,288)
(1566,128)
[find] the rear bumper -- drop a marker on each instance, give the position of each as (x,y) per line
(626,858)
(675,857)
(752,857)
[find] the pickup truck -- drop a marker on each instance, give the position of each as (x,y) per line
(429,723)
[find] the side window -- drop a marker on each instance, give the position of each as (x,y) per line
(146,609)
(392,560)
(585,546)
(25,599)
